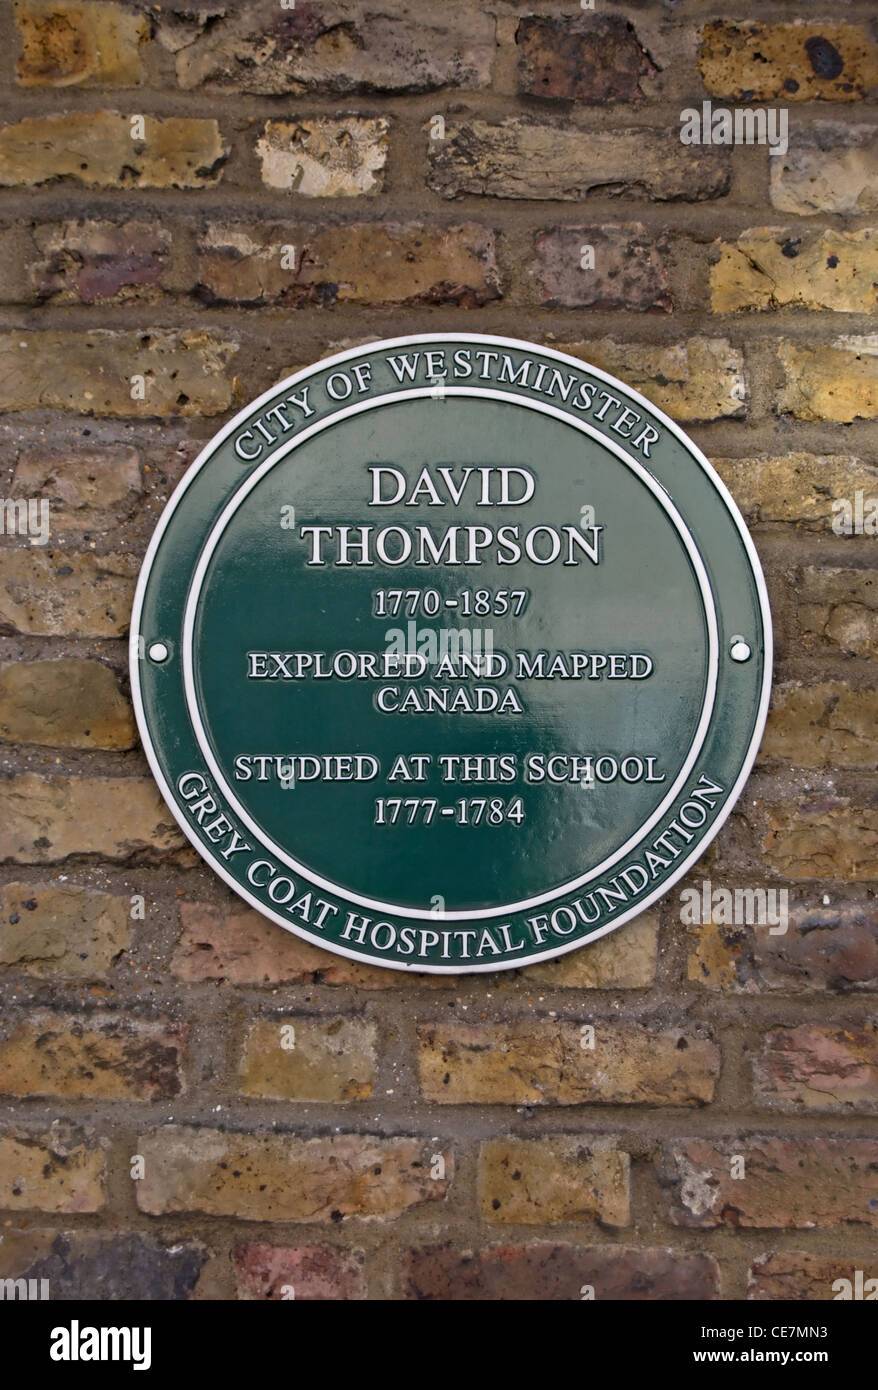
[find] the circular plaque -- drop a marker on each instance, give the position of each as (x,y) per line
(451,653)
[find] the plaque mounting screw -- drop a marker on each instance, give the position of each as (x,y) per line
(158,651)
(739,650)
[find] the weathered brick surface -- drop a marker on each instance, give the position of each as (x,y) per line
(818,1068)
(65,704)
(796,1275)
(774,268)
(95,261)
(524,1064)
(323,158)
(630,268)
(331,48)
(85,488)
(302,1058)
(47,593)
(826,948)
(93,1057)
(543,1181)
(593,59)
(60,930)
(834,381)
(354,264)
(838,608)
(96,148)
(90,261)
(824,838)
(181,373)
(86,1265)
(53,1172)
(524,158)
(825,725)
(796,487)
(89,43)
(830,167)
(50,818)
(702,379)
(788,62)
(300,1272)
(613,962)
(239,945)
(788,1183)
(284,1178)
(546,1271)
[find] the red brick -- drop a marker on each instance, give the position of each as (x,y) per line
(818,1067)
(595,59)
(797,1275)
(788,1184)
(546,1271)
(826,948)
(630,268)
(278,1272)
(360,263)
(234,943)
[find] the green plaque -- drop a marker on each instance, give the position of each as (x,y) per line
(451,653)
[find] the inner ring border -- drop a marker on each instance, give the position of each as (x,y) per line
(253,480)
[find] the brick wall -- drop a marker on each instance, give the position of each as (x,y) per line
(429,1137)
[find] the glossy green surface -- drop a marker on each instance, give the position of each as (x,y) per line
(564,860)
